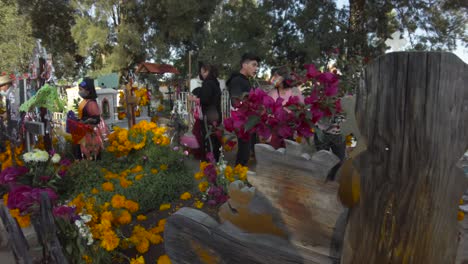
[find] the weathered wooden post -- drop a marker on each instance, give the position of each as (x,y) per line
(412,110)
(18,243)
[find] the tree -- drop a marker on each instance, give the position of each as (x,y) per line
(51,21)
(16,41)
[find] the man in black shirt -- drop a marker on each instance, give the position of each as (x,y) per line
(239,85)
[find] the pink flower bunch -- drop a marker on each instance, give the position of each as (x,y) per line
(261,114)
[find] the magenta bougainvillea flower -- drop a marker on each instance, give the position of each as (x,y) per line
(261,114)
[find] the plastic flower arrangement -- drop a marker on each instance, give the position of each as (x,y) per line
(259,113)
(214,179)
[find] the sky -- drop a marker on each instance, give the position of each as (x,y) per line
(461,52)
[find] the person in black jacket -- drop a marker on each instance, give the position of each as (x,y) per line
(239,85)
(210,101)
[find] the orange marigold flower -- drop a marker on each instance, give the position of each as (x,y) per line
(143,246)
(165,206)
(94,191)
(108,186)
(154,171)
(198,204)
(139,260)
(460,215)
(124,218)
(203,186)
(163,167)
(118,201)
(109,240)
(185,196)
(132,206)
(141,217)
(138,177)
(5,199)
(164,259)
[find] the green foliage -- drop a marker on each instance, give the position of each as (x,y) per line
(16,42)
(150,191)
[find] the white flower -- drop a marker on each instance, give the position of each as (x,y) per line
(86,217)
(78,223)
(37,155)
(28,157)
(56,158)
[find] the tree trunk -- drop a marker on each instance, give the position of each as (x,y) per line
(413,110)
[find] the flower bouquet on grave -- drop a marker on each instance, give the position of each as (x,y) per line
(41,172)
(214,179)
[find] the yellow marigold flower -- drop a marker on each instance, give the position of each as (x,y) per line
(5,199)
(165,206)
(163,167)
(299,139)
(105,206)
(23,220)
(107,215)
(164,259)
(460,215)
(203,165)
(124,218)
(199,175)
(87,259)
(108,186)
(143,246)
(185,196)
(109,241)
(198,204)
(203,186)
(125,183)
(154,171)
(461,201)
(139,260)
(78,203)
(132,206)
(139,177)
(228,172)
(137,169)
(141,217)
(154,238)
(94,191)
(118,201)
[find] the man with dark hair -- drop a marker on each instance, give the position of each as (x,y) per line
(239,85)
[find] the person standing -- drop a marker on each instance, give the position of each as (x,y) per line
(239,85)
(89,113)
(210,101)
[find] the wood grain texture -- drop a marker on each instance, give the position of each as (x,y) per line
(17,241)
(307,204)
(193,237)
(412,109)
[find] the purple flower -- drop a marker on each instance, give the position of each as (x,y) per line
(210,172)
(11,173)
(64,211)
(211,202)
(44,178)
(20,197)
(65,162)
(36,194)
(62,173)
(210,157)
(52,152)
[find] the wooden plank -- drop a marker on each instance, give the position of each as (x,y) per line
(48,231)
(17,241)
(301,197)
(411,109)
(193,237)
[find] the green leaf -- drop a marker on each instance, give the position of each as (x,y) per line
(251,122)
